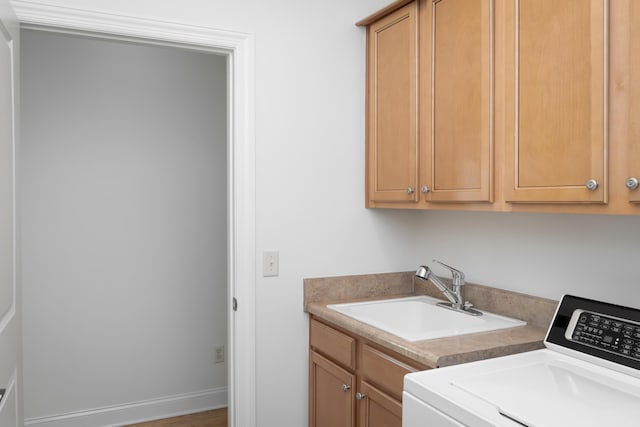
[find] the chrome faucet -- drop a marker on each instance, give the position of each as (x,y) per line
(455,294)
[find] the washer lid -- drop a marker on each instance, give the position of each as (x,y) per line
(556,393)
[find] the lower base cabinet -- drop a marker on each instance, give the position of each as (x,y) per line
(353,382)
(332,399)
(378,409)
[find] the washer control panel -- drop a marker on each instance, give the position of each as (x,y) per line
(598,332)
(604,332)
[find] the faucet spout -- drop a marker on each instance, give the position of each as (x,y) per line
(453,294)
(423,272)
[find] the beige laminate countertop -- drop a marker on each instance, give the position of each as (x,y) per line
(437,352)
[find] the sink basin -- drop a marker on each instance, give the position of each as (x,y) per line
(419,318)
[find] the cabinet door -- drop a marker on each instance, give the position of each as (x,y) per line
(392,134)
(456,84)
(633,139)
(377,409)
(555,90)
(331,394)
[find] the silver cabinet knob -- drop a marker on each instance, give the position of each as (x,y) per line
(360,396)
(346,387)
(425,189)
(410,190)
(631,183)
(592,184)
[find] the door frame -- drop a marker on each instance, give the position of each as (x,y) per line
(239,50)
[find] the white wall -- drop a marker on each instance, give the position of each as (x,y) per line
(595,256)
(123,173)
(310,167)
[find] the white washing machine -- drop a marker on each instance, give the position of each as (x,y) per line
(588,376)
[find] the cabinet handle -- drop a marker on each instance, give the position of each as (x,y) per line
(410,190)
(346,387)
(425,189)
(360,396)
(631,183)
(592,184)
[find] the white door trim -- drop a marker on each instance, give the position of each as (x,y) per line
(11,412)
(239,48)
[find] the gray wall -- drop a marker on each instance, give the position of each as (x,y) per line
(123,188)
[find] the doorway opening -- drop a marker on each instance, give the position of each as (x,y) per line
(238,48)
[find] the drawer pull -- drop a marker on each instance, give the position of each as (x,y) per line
(360,396)
(346,387)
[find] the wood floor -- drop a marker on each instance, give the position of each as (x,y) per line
(216,418)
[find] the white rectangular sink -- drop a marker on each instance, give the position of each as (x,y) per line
(419,318)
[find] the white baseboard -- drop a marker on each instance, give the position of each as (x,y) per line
(135,412)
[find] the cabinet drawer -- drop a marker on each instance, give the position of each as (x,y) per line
(332,343)
(383,370)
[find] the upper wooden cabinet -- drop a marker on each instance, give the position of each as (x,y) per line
(433,140)
(392,97)
(631,192)
(605,147)
(456,100)
(555,83)
(522,105)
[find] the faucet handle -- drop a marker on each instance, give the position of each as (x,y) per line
(458,276)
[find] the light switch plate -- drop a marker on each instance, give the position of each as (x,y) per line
(270,263)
